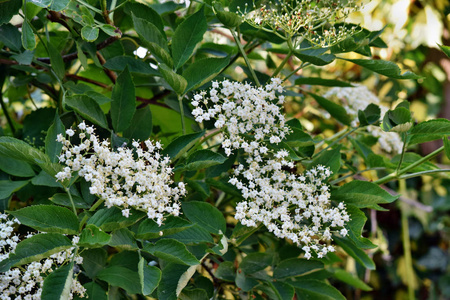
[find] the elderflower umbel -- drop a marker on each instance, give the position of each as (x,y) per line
(358,98)
(313,20)
(290,206)
(134,177)
(26,282)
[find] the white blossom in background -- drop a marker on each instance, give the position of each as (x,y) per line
(136,177)
(292,206)
(358,98)
(26,282)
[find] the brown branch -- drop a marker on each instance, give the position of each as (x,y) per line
(8,62)
(153,100)
(76,77)
(111,75)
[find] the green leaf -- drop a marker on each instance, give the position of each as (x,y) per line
(429,131)
(145,12)
(123,105)
(202,159)
(330,158)
(296,267)
(44,179)
(56,61)
(123,239)
(445,49)
(172,251)
(359,255)
(93,237)
(370,115)
(141,125)
(363,194)
(335,110)
(109,219)
(87,108)
(397,120)
(226,271)
(94,260)
(109,30)
(58,284)
(383,67)
(228,18)
(255,262)
(348,278)
(204,70)
(121,277)
(355,227)
(193,234)
(187,35)
(177,82)
(171,274)
(181,145)
(446,146)
(64,200)
(119,63)
(322,82)
(9,8)
(52,147)
(58,5)
(89,33)
(205,215)
(7,187)
(16,167)
(149,229)
(315,289)
(315,57)
(10,36)
(48,218)
(95,291)
(298,138)
(245,283)
(28,38)
(149,277)
(194,294)
(35,248)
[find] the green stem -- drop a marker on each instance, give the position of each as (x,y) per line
(2,102)
(205,138)
(396,175)
(407,247)
(244,55)
(97,204)
(90,6)
(180,102)
(405,135)
(280,67)
(407,176)
(303,64)
(356,173)
(71,200)
(336,141)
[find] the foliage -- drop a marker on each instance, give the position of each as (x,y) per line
(205,150)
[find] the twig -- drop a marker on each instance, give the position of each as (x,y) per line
(111,75)
(153,100)
(76,77)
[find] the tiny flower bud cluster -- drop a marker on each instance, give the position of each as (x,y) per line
(313,20)
(127,178)
(358,98)
(291,206)
(27,281)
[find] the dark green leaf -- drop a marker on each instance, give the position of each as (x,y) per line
(48,218)
(330,158)
(194,294)
(109,30)
(202,159)
(296,267)
(193,234)
(359,255)
(149,229)
(123,105)
(205,215)
(35,248)
(58,284)
(245,283)
(181,145)
(334,109)
(355,227)
(64,200)
(322,82)
(10,36)
(141,125)
(429,131)
(9,8)
(57,61)
(93,237)
(123,239)
(383,67)
(370,115)
(204,70)
(228,18)
(44,179)
(255,262)
(95,291)
(7,187)
(398,120)
(52,147)
(149,277)
(172,251)
(351,279)
(16,167)
(167,289)
(109,219)
(315,289)
(89,33)
(94,260)
(363,194)
(298,138)
(315,57)
(121,277)
(226,271)
(28,38)
(87,108)
(145,12)
(177,82)
(446,146)
(119,63)
(187,35)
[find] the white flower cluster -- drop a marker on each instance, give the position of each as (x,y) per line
(312,20)
(139,178)
(291,206)
(358,98)
(26,282)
